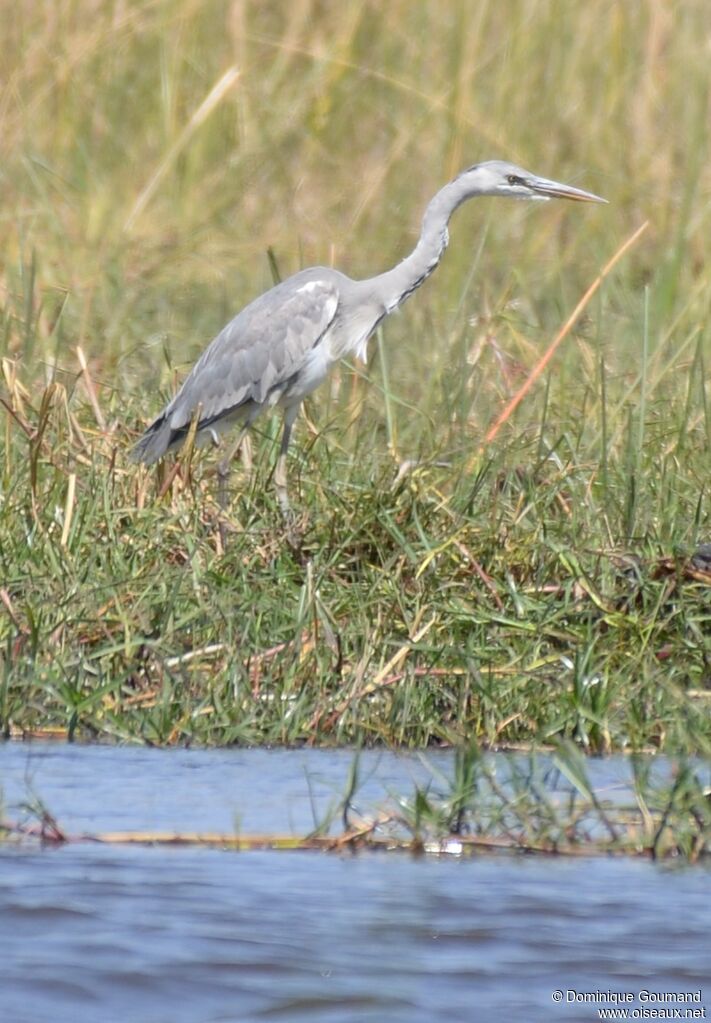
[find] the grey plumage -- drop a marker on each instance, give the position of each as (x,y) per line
(250,364)
(280,347)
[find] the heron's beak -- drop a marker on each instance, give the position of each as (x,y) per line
(554,190)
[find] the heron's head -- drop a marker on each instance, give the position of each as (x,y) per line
(496,177)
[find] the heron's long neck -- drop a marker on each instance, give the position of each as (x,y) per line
(397,284)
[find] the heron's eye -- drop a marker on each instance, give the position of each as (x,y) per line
(514,179)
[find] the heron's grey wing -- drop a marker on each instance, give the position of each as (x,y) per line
(258,352)
(251,360)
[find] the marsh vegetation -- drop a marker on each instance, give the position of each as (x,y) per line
(163,163)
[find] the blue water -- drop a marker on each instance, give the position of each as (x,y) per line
(186,935)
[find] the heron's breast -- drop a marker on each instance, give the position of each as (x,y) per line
(312,372)
(350,335)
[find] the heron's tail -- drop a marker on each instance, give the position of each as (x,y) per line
(154,443)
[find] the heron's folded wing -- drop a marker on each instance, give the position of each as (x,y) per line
(258,352)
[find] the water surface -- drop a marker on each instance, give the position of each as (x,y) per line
(192,935)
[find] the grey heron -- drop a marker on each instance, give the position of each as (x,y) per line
(282,345)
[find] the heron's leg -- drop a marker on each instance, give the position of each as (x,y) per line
(246,452)
(223,468)
(280,471)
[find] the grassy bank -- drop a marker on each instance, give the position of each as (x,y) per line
(490,596)
(158,160)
